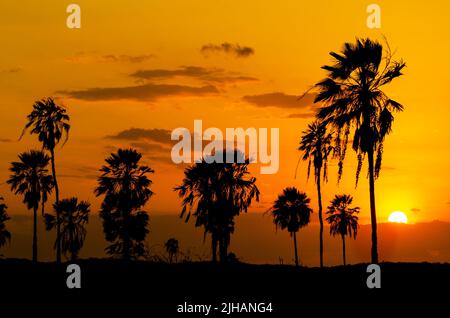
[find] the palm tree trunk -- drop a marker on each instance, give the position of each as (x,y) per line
(58,225)
(35,250)
(343,249)
(126,239)
(214,247)
(295,248)
(222,249)
(373,214)
(319,194)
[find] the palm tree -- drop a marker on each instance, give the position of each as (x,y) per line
(74,217)
(316,147)
(291,211)
(5,235)
(215,193)
(354,101)
(51,123)
(343,219)
(126,188)
(172,248)
(30,178)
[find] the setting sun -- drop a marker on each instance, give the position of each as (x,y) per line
(398,217)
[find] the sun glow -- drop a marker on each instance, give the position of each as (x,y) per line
(398,217)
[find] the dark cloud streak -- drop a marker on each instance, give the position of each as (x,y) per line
(146,92)
(228,48)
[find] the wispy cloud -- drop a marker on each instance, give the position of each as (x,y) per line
(85,57)
(227,48)
(146,92)
(306,115)
(280,100)
(133,134)
(11,70)
(212,75)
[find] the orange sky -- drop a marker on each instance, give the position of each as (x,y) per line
(40,56)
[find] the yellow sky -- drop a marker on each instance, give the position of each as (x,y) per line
(40,56)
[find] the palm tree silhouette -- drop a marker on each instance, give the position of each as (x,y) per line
(126,188)
(354,101)
(5,235)
(50,122)
(316,147)
(74,217)
(343,219)
(214,193)
(172,248)
(291,211)
(30,178)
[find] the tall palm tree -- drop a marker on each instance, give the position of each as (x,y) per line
(355,102)
(5,235)
(50,122)
(316,147)
(215,193)
(126,189)
(343,219)
(172,248)
(291,211)
(74,217)
(30,178)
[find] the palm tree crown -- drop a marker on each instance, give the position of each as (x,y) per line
(342,218)
(126,187)
(49,121)
(354,98)
(316,145)
(291,210)
(30,177)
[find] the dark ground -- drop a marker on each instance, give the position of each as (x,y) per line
(149,288)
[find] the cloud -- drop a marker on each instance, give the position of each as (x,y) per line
(5,140)
(133,134)
(148,147)
(415,210)
(227,48)
(215,75)
(84,57)
(280,100)
(11,70)
(146,92)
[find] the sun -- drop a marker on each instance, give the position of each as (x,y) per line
(398,217)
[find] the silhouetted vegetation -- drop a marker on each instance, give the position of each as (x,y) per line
(343,219)
(316,146)
(74,217)
(5,235)
(355,102)
(291,211)
(30,178)
(215,193)
(50,122)
(126,189)
(172,248)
